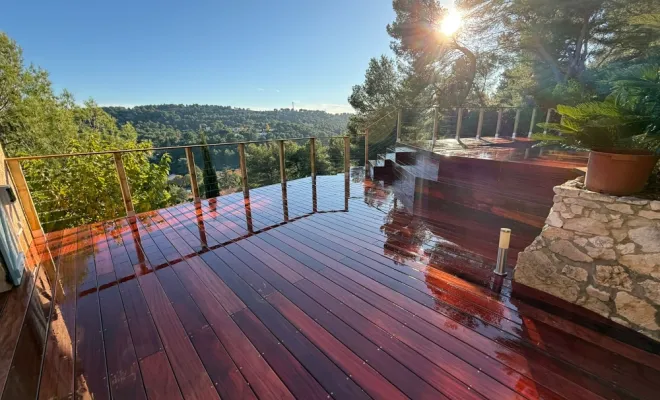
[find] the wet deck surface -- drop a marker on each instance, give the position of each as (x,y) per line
(235,301)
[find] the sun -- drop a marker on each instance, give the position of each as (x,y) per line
(451,23)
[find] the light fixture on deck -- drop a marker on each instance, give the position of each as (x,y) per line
(502,251)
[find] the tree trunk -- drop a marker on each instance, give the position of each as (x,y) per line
(472,65)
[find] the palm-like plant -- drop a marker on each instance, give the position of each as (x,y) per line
(628,118)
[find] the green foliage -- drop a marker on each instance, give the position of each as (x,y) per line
(629,117)
(72,191)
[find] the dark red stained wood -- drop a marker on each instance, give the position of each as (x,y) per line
(325,371)
(23,376)
(435,354)
(190,316)
(258,373)
(408,382)
(159,380)
(437,319)
(337,268)
(216,286)
(293,374)
(122,363)
(188,369)
(223,372)
(239,268)
(143,330)
(225,375)
(368,378)
(640,376)
(90,368)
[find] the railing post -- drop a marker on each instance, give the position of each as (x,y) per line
(435,127)
(398,125)
(280,143)
(24,196)
(123,184)
(531,124)
(547,119)
(312,156)
(459,123)
(499,123)
(347,170)
(480,124)
(515,124)
(190,158)
(347,155)
(243,167)
(366,149)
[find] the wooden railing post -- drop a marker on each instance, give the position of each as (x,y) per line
(435,127)
(280,143)
(515,124)
(480,124)
(24,196)
(347,170)
(398,125)
(499,123)
(312,156)
(366,149)
(531,124)
(459,123)
(347,155)
(123,184)
(190,158)
(243,167)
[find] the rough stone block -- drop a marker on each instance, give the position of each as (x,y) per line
(645,264)
(566,191)
(632,200)
(586,225)
(636,310)
(554,220)
(648,237)
(649,214)
(655,205)
(575,273)
(589,195)
(613,276)
(619,234)
(597,293)
(552,233)
(568,250)
(622,208)
(604,242)
(627,248)
(651,290)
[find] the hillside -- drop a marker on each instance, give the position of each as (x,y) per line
(176,124)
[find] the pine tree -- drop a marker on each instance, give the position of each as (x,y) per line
(211,188)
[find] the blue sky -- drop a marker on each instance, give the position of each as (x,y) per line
(261,54)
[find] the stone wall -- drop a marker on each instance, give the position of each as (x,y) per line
(601,252)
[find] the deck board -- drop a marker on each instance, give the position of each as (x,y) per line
(265,298)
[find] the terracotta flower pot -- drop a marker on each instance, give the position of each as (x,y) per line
(619,172)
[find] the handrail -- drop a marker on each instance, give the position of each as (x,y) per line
(25,197)
(191,146)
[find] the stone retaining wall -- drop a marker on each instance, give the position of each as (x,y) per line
(601,252)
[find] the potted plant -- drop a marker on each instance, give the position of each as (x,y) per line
(622,133)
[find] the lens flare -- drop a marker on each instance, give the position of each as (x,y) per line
(451,23)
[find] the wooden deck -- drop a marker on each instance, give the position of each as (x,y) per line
(234,299)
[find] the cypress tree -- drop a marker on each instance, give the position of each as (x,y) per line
(211,188)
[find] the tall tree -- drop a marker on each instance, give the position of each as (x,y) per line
(211,188)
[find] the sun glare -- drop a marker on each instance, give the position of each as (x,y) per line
(451,23)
